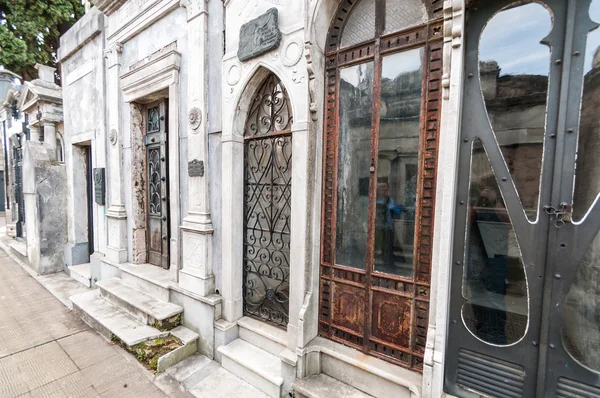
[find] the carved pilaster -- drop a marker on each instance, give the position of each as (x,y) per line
(311,80)
(113,55)
(453,27)
(196,274)
(116,216)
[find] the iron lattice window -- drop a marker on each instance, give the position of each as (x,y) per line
(381,311)
(267,204)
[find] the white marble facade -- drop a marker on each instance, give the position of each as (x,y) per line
(124,54)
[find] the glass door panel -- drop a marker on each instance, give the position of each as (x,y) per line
(514,69)
(398,162)
(494,282)
(356,96)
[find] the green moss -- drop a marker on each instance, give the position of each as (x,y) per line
(168,324)
(148,352)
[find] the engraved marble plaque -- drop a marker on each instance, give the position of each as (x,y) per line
(259,35)
(99,186)
(196,168)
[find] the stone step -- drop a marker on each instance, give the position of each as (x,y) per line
(82,273)
(148,278)
(254,365)
(260,334)
(108,319)
(19,248)
(321,385)
(143,307)
(131,333)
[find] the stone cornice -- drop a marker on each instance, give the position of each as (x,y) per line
(151,76)
(109,6)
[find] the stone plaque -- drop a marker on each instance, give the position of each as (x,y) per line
(259,35)
(196,168)
(99,186)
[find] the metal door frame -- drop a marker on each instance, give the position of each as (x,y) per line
(551,255)
(153,140)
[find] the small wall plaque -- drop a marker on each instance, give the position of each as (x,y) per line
(259,35)
(99,186)
(196,168)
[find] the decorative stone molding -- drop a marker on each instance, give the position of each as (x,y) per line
(109,6)
(195,119)
(453,28)
(234,73)
(291,53)
(194,8)
(155,74)
(113,137)
(311,80)
(113,55)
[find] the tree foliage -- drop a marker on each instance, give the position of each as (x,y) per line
(30,31)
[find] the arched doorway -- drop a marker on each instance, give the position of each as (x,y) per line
(267,203)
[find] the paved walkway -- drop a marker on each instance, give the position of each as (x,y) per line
(47,351)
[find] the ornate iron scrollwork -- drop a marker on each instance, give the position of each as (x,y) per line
(153,120)
(154,182)
(270,111)
(267,205)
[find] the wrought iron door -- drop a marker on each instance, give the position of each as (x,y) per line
(19,205)
(525,302)
(158,188)
(267,200)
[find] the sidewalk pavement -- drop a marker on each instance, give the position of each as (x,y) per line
(47,351)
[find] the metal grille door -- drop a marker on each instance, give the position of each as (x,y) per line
(156,163)
(267,210)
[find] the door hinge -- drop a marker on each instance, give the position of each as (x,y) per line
(563,214)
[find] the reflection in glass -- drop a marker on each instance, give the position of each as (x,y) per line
(514,68)
(493,276)
(397,172)
(360,25)
(404,14)
(581,313)
(587,183)
(356,96)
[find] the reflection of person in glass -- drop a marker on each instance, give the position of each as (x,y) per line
(386,210)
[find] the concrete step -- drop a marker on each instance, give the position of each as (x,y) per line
(82,273)
(108,319)
(260,334)
(111,321)
(143,307)
(321,386)
(150,279)
(19,248)
(254,365)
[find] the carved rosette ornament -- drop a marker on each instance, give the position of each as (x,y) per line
(195,119)
(113,137)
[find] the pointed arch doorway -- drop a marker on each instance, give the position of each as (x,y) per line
(267,203)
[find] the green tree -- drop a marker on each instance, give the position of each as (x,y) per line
(30,31)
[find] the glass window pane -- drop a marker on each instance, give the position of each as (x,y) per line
(581,313)
(404,14)
(493,276)
(397,171)
(513,69)
(356,96)
(360,25)
(587,183)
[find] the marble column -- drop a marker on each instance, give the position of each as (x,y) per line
(34,133)
(116,216)
(196,274)
(50,135)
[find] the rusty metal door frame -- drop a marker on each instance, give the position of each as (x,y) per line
(347,294)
